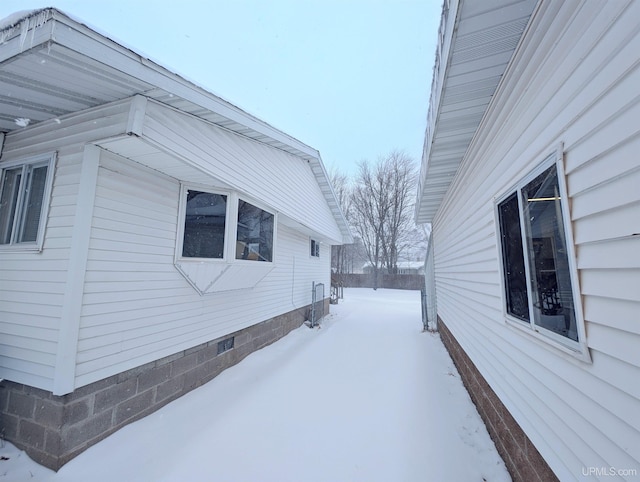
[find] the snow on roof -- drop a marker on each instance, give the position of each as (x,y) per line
(17,17)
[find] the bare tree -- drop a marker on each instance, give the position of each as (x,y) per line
(341,186)
(369,211)
(400,192)
(381,205)
(348,257)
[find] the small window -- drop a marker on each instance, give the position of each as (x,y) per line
(537,276)
(204,225)
(315,248)
(24,196)
(225,345)
(255,233)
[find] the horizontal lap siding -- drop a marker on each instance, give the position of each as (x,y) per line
(137,307)
(582,91)
(283,181)
(32,285)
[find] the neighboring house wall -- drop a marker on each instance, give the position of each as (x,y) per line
(574,80)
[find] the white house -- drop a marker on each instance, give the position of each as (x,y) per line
(530,178)
(151,234)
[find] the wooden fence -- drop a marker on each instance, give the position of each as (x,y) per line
(391,281)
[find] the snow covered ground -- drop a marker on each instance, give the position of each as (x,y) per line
(366,397)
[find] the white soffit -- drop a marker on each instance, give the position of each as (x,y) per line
(476,42)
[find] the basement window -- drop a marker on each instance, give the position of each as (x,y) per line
(25,188)
(538,268)
(225,345)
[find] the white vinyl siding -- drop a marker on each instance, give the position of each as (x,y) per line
(138,307)
(266,173)
(32,285)
(578,85)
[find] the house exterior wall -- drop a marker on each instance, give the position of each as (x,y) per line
(573,81)
(100,328)
(33,285)
(137,307)
(132,306)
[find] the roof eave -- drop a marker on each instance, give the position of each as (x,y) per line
(48,27)
(39,27)
(475,47)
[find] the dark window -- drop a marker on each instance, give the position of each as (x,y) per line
(22,191)
(204,225)
(513,257)
(533,241)
(32,207)
(255,233)
(315,248)
(9,202)
(225,345)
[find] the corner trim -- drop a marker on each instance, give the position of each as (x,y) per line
(65,369)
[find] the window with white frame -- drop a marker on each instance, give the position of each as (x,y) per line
(254,238)
(25,187)
(206,234)
(204,225)
(315,248)
(538,277)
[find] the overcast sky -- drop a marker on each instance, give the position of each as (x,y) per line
(350,78)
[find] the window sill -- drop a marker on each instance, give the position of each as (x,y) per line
(16,248)
(250,262)
(551,341)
